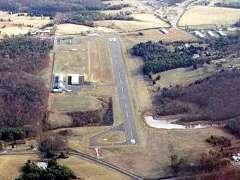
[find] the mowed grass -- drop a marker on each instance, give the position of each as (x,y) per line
(90,171)
(130,39)
(100,68)
(75,29)
(71,59)
(90,57)
(112,137)
(10,165)
(201,15)
(72,103)
(131,26)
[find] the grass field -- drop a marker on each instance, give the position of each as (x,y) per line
(90,171)
(201,15)
(155,35)
(12,24)
(10,165)
(72,59)
(89,57)
(74,29)
(112,137)
(75,103)
(184,76)
(131,26)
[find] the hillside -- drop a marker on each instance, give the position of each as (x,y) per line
(213,99)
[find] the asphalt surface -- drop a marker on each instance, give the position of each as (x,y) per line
(122,90)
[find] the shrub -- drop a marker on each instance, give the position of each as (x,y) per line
(219,141)
(10,134)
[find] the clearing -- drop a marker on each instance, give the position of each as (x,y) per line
(201,15)
(74,29)
(15,24)
(90,171)
(133,25)
(10,165)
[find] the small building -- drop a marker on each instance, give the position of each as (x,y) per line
(75,79)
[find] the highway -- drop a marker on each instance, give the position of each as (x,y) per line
(122,90)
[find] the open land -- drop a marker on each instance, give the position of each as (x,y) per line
(14,24)
(200,15)
(10,165)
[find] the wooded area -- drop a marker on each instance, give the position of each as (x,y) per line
(48,7)
(24,96)
(214,98)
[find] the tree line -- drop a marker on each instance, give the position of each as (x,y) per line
(48,7)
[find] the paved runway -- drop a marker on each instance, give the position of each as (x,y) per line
(122,90)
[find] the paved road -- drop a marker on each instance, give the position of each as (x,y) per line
(122,90)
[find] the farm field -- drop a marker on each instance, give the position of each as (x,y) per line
(155,35)
(10,165)
(12,24)
(200,15)
(74,29)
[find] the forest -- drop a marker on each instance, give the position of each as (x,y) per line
(215,98)
(23,98)
(160,56)
(48,7)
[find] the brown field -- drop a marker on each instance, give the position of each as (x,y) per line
(201,15)
(89,57)
(74,29)
(20,24)
(184,76)
(155,35)
(90,171)
(131,26)
(10,165)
